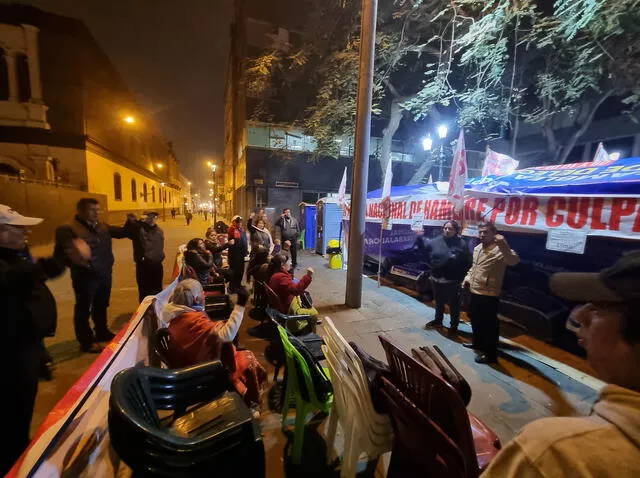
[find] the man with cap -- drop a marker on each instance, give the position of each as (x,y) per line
(607,442)
(28,315)
(148,252)
(92,284)
(237,252)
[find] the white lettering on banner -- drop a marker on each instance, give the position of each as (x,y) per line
(416,221)
(565,240)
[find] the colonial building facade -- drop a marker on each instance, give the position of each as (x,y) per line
(66,116)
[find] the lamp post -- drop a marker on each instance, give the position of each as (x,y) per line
(213,183)
(427,145)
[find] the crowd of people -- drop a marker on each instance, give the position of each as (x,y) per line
(606,443)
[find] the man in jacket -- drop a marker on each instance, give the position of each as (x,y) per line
(92,283)
(484,280)
(148,252)
(237,252)
(607,442)
(289,233)
(450,260)
(28,315)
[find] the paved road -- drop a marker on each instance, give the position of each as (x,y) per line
(69,362)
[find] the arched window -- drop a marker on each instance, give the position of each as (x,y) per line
(4,77)
(144,191)
(134,190)
(153,194)
(117,186)
(24,81)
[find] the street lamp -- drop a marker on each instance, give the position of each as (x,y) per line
(213,167)
(162,194)
(442,131)
(427,143)
(129,119)
(159,165)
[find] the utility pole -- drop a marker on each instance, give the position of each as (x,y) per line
(353,295)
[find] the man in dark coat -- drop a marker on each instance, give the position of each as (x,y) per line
(290,234)
(450,259)
(28,315)
(237,252)
(92,284)
(148,252)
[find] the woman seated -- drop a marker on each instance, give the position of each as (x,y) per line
(199,259)
(213,245)
(288,292)
(196,339)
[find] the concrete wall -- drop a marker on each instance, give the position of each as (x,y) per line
(55,205)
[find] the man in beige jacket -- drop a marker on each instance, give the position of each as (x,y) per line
(490,260)
(607,442)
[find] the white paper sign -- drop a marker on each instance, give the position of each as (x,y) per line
(416,221)
(565,240)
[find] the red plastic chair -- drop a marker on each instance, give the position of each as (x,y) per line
(420,446)
(439,401)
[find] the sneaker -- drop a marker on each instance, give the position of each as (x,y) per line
(91,348)
(105,336)
(485,359)
(433,323)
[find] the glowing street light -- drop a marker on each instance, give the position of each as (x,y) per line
(442,131)
(210,182)
(129,119)
(427,143)
(188,183)
(159,165)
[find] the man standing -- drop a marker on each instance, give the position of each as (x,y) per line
(92,284)
(188,216)
(173,213)
(490,260)
(148,252)
(290,233)
(237,252)
(450,260)
(206,214)
(607,442)
(28,315)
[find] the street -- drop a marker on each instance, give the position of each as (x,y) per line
(69,363)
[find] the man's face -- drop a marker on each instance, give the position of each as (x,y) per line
(90,212)
(448,230)
(13,237)
(151,219)
(486,235)
(287,213)
(599,333)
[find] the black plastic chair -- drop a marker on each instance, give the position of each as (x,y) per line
(216,436)
(161,344)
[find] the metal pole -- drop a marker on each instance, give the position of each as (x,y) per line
(164,217)
(215,196)
(353,295)
(441,162)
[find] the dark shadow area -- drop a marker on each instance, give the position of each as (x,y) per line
(64,351)
(121,320)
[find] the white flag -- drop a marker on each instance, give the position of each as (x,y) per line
(601,155)
(342,191)
(458,175)
(498,164)
(386,197)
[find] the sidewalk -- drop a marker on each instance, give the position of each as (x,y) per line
(506,396)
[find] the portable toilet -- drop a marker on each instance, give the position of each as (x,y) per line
(328,222)
(308,224)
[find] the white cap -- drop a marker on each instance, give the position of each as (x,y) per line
(11,217)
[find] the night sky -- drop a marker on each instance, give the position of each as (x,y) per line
(172,55)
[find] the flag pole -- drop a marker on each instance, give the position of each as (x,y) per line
(380,254)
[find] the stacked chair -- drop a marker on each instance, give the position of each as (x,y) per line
(307,389)
(438,401)
(365,430)
(210,431)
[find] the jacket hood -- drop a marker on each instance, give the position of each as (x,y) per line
(621,407)
(171,311)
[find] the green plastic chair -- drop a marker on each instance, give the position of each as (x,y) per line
(293,395)
(302,245)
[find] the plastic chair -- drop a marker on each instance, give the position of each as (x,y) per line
(161,345)
(300,392)
(365,430)
(421,448)
(301,239)
(216,433)
(439,401)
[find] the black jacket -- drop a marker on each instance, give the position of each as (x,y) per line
(216,250)
(449,258)
(27,305)
(201,264)
(99,239)
(148,241)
